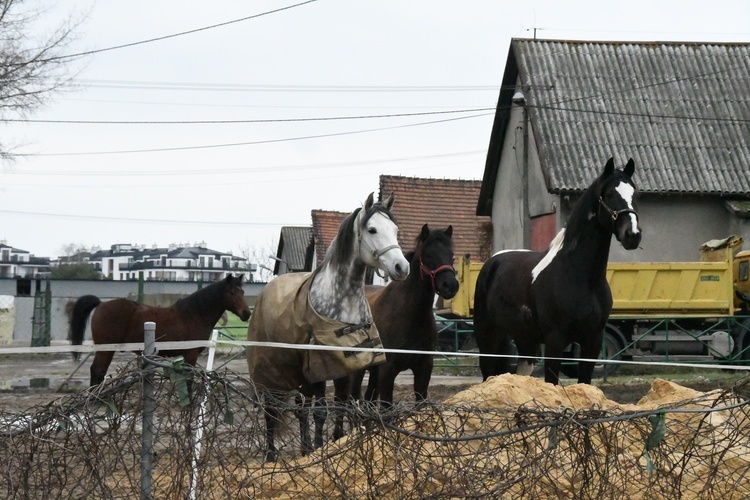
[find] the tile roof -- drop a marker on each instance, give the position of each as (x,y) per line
(325,227)
(439,202)
(681,110)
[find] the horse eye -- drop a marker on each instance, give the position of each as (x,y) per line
(372,230)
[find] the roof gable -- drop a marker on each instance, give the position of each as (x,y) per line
(439,203)
(294,245)
(680,110)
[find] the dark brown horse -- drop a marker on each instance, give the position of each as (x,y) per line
(403,312)
(559,296)
(190,318)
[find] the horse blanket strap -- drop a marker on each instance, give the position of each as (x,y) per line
(352,328)
(283,313)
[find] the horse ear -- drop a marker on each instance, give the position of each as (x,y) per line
(629,168)
(424,233)
(369,201)
(609,168)
(388,203)
(449,232)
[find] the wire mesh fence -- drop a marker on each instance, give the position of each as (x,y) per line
(210,443)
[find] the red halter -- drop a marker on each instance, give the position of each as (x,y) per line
(424,270)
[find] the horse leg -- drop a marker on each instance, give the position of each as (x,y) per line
(371,394)
(355,388)
(304,401)
(320,411)
(387,373)
(422,375)
(273,417)
(526,350)
(554,346)
(341,399)
(491,366)
(99,366)
(191,358)
(590,350)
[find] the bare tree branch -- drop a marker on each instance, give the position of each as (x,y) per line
(31,69)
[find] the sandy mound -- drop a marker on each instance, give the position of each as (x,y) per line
(496,437)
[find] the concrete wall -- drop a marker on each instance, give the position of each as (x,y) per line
(67,291)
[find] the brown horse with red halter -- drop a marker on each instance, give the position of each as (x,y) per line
(403,312)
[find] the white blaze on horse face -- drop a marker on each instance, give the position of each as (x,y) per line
(626,191)
(380,247)
(554,247)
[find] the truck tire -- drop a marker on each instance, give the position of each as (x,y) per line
(611,346)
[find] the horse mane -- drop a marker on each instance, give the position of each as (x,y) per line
(579,216)
(340,246)
(203,301)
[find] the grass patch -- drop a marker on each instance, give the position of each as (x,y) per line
(235,329)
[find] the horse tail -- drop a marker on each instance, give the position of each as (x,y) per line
(81,310)
(484,281)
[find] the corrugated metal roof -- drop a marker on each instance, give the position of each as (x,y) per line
(295,241)
(680,110)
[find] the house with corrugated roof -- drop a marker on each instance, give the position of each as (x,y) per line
(680,110)
(296,250)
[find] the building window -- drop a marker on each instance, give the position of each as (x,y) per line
(23,287)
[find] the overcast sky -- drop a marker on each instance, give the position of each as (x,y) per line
(322,81)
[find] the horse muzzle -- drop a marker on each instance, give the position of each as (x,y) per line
(398,270)
(445,284)
(629,239)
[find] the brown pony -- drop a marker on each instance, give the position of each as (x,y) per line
(190,318)
(405,318)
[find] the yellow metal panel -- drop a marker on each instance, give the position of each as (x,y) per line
(671,287)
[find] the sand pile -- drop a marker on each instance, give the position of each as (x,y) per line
(514,436)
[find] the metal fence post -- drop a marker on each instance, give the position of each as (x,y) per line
(149,406)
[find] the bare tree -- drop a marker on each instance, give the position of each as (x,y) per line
(32,65)
(74,253)
(262,255)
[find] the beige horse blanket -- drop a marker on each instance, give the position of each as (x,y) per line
(283,313)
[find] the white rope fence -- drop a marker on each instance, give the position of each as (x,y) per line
(209,344)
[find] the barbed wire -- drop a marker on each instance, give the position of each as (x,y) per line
(88,445)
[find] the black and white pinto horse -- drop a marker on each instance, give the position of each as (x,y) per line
(367,237)
(561,295)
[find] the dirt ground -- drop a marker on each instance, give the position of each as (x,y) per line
(28,381)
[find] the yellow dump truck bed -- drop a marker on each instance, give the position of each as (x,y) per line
(462,305)
(671,287)
(705,287)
